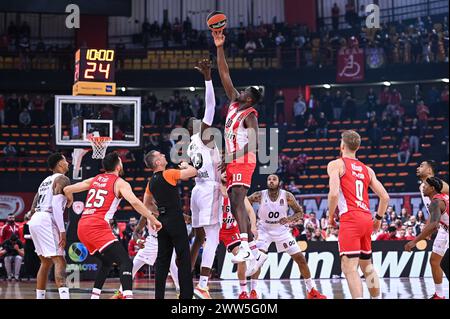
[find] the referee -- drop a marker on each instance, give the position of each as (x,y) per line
(162,187)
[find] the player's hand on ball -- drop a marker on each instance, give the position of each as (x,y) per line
(219,38)
(62,240)
(410,245)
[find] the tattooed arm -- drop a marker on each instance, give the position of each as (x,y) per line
(255,198)
(298,210)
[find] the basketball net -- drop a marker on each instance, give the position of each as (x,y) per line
(99,145)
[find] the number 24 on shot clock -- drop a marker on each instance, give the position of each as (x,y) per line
(94,72)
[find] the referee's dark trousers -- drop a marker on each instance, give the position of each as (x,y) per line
(173,234)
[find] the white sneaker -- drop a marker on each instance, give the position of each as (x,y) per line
(251,267)
(257,264)
(242,255)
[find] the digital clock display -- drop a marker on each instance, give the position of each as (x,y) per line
(94,65)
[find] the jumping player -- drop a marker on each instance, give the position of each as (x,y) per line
(349,186)
(438,208)
(206,197)
(426,170)
(105,192)
(47,226)
(230,237)
(274,206)
(241,132)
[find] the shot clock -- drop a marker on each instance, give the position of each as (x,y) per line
(94,72)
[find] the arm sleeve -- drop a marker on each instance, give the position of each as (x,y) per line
(210,101)
(58,205)
(172,176)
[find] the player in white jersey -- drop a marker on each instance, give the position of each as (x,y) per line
(438,221)
(206,197)
(426,170)
(47,226)
(274,204)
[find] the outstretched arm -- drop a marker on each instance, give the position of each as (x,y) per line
(78,187)
(224,72)
(298,210)
(125,190)
(435,208)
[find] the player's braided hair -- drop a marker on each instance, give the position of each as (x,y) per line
(436,183)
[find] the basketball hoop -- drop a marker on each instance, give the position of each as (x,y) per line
(99,145)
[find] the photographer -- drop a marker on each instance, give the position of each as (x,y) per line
(13,251)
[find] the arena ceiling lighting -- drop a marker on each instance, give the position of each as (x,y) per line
(387,83)
(192,89)
(445,80)
(123,89)
(327,86)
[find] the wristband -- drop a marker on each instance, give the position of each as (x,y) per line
(378,217)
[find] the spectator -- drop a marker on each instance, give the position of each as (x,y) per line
(337,105)
(324,221)
(10,228)
(401,234)
(335,16)
(250,48)
(302,161)
(349,109)
(12,249)
(333,236)
(327,105)
(404,215)
(384,97)
(299,112)
(322,126)
(117,133)
(317,235)
(371,100)
(390,235)
(312,221)
(404,151)
(310,125)
(409,234)
(134,245)
(280,40)
(421,217)
(375,136)
(313,105)
(2,110)
(414,133)
(293,188)
(279,107)
(382,230)
(422,114)
(24,118)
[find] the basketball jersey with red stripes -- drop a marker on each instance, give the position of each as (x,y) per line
(444,215)
(236,135)
(354,188)
(101,201)
(228,220)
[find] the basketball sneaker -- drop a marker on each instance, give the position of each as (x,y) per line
(244,254)
(435,296)
(243,295)
(253,294)
(202,293)
(257,263)
(314,294)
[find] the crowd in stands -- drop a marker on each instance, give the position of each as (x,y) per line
(423,40)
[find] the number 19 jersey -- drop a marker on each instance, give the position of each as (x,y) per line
(354,187)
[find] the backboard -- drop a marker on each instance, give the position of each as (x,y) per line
(114,116)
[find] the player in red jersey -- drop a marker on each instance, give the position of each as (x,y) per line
(241,132)
(230,236)
(349,191)
(438,208)
(105,192)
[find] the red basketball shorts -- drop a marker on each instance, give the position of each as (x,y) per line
(230,237)
(240,171)
(355,230)
(95,234)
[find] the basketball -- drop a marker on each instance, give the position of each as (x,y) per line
(216,21)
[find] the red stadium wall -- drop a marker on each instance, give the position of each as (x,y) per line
(301,12)
(93,32)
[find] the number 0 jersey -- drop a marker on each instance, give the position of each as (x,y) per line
(45,191)
(101,201)
(354,187)
(270,212)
